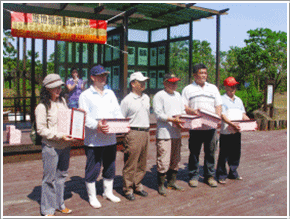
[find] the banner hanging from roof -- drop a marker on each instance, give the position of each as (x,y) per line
(54,27)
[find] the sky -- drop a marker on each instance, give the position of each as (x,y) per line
(242,16)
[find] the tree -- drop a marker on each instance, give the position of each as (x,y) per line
(266,54)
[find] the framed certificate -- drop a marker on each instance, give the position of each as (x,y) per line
(77,129)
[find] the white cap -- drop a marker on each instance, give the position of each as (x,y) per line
(138,76)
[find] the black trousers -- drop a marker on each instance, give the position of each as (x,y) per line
(230,152)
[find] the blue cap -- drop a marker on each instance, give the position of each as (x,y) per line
(98,69)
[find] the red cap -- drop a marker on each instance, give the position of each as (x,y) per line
(230,81)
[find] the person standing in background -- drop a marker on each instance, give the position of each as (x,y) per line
(75,86)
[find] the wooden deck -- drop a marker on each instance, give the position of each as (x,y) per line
(263,192)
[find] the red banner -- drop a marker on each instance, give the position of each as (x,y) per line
(53,27)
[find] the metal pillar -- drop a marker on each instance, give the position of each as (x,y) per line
(125,57)
(190,51)
(218,50)
(44,58)
(33,98)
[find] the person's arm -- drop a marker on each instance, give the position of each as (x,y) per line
(42,126)
(187,109)
(218,110)
(245,117)
(70,87)
(91,123)
(226,120)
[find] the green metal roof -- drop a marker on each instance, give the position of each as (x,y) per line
(146,16)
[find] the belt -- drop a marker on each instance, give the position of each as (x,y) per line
(139,129)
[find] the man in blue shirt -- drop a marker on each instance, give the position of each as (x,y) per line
(230,136)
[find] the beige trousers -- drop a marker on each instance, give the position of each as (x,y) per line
(135,160)
(168,154)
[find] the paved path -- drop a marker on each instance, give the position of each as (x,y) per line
(263,192)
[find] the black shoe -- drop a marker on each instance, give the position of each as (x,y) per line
(141,193)
(130,197)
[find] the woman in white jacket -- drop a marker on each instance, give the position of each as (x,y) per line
(55,146)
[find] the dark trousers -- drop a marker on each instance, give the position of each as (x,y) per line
(209,139)
(98,156)
(230,152)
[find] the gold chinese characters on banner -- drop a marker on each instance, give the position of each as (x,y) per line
(53,27)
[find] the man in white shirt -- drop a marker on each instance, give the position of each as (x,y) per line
(230,137)
(202,95)
(136,106)
(167,104)
(99,103)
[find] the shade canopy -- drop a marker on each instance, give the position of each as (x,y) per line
(142,16)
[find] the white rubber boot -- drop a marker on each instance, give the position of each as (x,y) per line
(108,190)
(92,193)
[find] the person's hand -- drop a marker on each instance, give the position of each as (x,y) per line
(68,138)
(235,126)
(103,126)
(177,121)
(191,111)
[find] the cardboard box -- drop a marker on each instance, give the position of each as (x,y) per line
(191,121)
(245,125)
(15,136)
(209,119)
(118,125)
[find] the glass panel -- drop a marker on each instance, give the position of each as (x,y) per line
(116,43)
(160,79)
(161,55)
(77,52)
(109,81)
(131,55)
(95,53)
(85,53)
(159,35)
(142,56)
(181,30)
(70,45)
(108,50)
(153,56)
(116,77)
(138,35)
(152,79)
(61,51)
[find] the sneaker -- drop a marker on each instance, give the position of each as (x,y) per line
(141,193)
(65,211)
(235,178)
(193,183)
(211,182)
(130,197)
(222,181)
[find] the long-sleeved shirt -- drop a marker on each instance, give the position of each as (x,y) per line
(46,123)
(99,106)
(166,105)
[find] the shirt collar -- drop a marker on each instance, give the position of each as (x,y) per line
(205,84)
(135,96)
(230,98)
(96,92)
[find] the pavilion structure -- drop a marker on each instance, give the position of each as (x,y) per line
(119,55)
